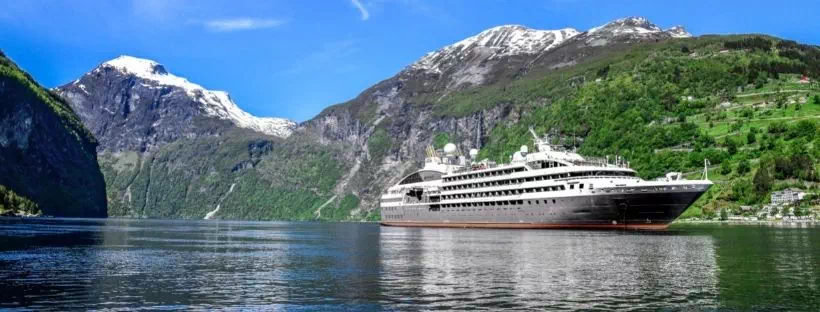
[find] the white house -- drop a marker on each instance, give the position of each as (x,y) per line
(787,196)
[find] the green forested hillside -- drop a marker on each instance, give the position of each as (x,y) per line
(11,203)
(249,175)
(48,161)
(735,100)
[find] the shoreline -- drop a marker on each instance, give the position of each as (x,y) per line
(748,222)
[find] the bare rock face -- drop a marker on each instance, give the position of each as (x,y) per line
(46,155)
(134,104)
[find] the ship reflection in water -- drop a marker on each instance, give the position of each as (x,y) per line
(547,269)
(52,264)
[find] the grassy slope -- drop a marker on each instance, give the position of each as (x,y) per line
(636,106)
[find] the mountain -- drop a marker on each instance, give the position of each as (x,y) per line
(170,148)
(427,100)
(136,104)
(49,163)
(631,28)
(466,63)
(627,87)
(612,89)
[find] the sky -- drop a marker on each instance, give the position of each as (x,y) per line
(294,58)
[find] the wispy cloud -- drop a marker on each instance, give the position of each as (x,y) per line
(358,4)
(242,23)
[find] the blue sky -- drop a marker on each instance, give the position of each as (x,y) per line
(293,58)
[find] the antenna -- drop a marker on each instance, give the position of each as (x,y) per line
(706,164)
(534,135)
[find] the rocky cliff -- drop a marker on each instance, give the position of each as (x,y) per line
(47,155)
(134,104)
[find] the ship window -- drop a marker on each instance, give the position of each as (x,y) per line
(529,202)
(581,186)
(536,202)
(553,201)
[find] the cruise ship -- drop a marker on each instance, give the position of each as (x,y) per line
(550,188)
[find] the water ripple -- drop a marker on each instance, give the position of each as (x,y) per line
(172,265)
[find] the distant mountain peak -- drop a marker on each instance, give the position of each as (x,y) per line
(214,103)
(498,41)
(627,25)
(678,32)
(137,66)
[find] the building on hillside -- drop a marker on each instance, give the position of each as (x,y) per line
(787,196)
(805,79)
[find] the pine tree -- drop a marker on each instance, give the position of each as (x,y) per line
(751,137)
(762,181)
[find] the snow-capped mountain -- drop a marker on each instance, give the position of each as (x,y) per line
(495,42)
(136,104)
(678,32)
(423,99)
(214,103)
(635,28)
(628,25)
(502,52)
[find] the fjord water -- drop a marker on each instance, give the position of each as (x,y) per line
(60,264)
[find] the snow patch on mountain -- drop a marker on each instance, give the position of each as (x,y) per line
(495,42)
(678,32)
(214,103)
(627,25)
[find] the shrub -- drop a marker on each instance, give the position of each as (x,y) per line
(777,127)
(751,137)
(743,167)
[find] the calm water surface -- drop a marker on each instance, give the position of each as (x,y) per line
(62,264)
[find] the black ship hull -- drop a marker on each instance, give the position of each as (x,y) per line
(641,210)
